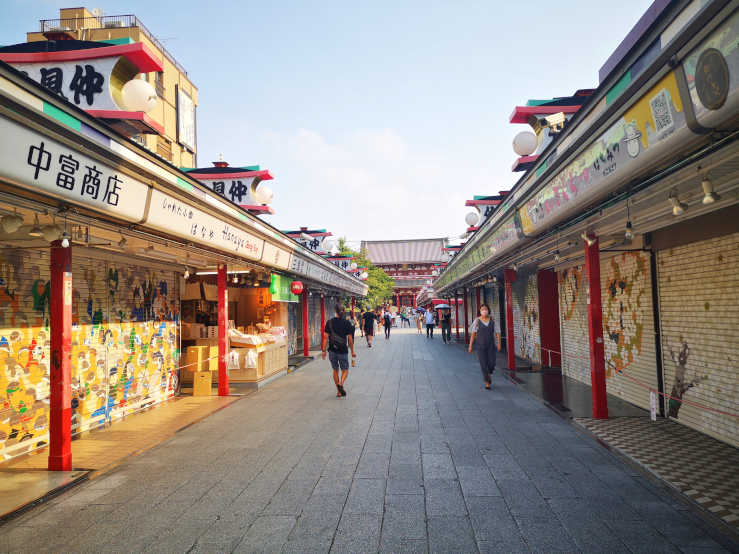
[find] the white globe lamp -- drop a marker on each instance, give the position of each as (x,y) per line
(139,96)
(365,275)
(524,143)
(472,219)
(263,194)
(353,266)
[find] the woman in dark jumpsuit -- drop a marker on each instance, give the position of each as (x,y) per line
(484,339)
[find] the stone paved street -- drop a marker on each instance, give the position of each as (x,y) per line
(418,457)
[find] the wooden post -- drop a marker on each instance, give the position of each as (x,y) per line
(60,382)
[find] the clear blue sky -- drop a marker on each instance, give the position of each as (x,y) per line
(377,121)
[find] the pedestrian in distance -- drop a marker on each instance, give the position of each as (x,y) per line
(429,318)
(446,326)
(404,319)
(387,323)
(485,339)
(368,324)
(419,322)
(338,336)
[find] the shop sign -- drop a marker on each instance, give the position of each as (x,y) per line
(275,256)
(237,191)
(174,216)
(623,149)
(84,83)
(712,73)
(280,289)
(40,163)
(186,126)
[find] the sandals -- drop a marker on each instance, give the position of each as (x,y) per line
(487,386)
(340,391)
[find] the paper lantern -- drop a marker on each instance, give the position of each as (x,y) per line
(296,287)
(263,194)
(472,218)
(139,96)
(524,143)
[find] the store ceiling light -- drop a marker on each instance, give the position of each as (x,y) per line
(709,197)
(123,242)
(629,232)
(557,256)
(187,273)
(36,229)
(678,207)
(65,239)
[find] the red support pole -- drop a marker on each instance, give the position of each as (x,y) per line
(222,331)
(479,302)
(510,276)
(466,333)
(306,331)
(415,305)
(595,330)
(60,380)
(456,313)
(323,314)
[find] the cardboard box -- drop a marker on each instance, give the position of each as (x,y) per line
(201,383)
(195,357)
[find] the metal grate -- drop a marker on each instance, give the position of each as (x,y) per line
(106,22)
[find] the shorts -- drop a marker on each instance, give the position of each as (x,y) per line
(369,331)
(338,360)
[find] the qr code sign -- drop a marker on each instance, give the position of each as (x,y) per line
(660,106)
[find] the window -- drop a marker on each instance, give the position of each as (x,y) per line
(164,148)
(159,83)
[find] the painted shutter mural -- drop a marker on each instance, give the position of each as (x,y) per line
(125,326)
(700,316)
(526,318)
(628,325)
(314,320)
(24,351)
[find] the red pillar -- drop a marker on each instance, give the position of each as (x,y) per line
(306,331)
(456,313)
(595,330)
(323,314)
(222,331)
(510,276)
(415,295)
(479,302)
(549,318)
(466,334)
(60,381)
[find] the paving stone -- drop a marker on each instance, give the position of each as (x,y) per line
(404,486)
(451,534)
(444,497)
(267,534)
(290,497)
(438,466)
(545,535)
(477,481)
(357,533)
(366,496)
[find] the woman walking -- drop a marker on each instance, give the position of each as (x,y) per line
(387,322)
(419,322)
(485,339)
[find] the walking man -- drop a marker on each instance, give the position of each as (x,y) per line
(387,321)
(339,335)
(484,338)
(446,326)
(429,316)
(368,324)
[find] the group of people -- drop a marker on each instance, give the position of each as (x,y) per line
(338,338)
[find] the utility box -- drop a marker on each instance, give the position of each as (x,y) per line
(202,382)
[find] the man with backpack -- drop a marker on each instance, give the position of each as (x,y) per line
(338,335)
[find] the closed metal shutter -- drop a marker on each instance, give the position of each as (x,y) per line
(526,318)
(24,350)
(699,311)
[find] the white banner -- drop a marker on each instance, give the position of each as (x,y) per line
(174,216)
(275,256)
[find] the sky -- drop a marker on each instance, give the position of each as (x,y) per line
(377,119)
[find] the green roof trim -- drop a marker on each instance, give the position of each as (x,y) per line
(541,169)
(184,184)
(619,87)
(62,116)
(116,41)
(249,168)
(537,102)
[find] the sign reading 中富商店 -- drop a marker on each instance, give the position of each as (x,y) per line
(37,162)
(174,216)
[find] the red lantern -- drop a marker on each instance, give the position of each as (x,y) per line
(296,287)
